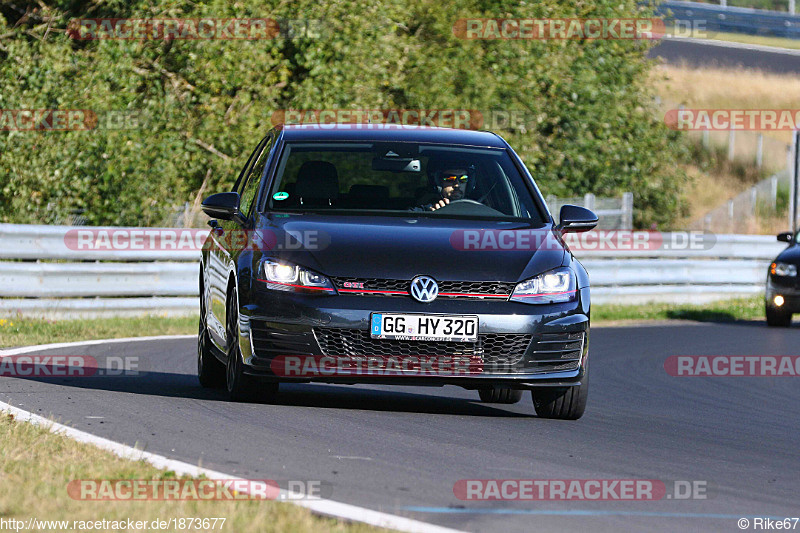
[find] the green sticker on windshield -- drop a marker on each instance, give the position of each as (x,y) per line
(280,195)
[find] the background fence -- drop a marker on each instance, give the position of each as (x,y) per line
(760,208)
(614,213)
(41,276)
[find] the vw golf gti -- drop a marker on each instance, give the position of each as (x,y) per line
(369,253)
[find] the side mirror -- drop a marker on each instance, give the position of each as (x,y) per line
(223,205)
(573,218)
(786,236)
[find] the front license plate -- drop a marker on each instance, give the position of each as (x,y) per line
(456,328)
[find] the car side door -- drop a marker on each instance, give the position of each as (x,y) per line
(225,237)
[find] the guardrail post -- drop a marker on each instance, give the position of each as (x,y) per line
(753,201)
(773,192)
(588,201)
(760,150)
(790,168)
(794,170)
(627,210)
(706,139)
(791,7)
(731,144)
(730,216)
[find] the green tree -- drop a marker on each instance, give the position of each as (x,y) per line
(202,105)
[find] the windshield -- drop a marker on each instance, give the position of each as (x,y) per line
(435,180)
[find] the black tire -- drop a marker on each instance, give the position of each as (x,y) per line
(562,404)
(241,387)
(778,319)
(503,395)
(210,371)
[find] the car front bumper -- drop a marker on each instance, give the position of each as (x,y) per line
(788,290)
(520,345)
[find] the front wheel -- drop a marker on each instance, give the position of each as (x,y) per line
(562,404)
(210,372)
(502,395)
(777,318)
(240,386)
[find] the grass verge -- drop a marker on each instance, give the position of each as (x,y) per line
(714,179)
(727,88)
(28,331)
(37,465)
(723,311)
(763,40)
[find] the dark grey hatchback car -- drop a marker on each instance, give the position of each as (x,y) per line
(782,297)
(369,253)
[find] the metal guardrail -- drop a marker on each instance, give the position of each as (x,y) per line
(64,280)
(732,19)
(35,280)
(719,247)
(23,241)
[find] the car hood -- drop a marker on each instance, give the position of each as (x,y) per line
(389,247)
(790,255)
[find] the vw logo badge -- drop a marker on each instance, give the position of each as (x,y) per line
(424,289)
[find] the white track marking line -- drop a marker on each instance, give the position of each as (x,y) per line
(330,508)
(28,349)
(320,506)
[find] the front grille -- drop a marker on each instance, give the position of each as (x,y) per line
(503,349)
(374,284)
(447,289)
(479,287)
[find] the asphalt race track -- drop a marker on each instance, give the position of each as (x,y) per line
(696,52)
(400,450)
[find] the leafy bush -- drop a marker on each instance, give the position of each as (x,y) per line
(202,105)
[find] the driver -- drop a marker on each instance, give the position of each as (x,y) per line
(451,182)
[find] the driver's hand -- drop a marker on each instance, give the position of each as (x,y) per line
(441,203)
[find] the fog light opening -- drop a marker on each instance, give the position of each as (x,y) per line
(778,300)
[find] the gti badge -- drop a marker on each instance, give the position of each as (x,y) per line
(424,289)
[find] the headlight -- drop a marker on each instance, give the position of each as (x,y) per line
(555,286)
(288,277)
(783,269)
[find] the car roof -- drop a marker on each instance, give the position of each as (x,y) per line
(390,132)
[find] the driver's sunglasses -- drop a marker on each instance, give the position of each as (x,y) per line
(453,178)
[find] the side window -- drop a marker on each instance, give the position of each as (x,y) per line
(237,187)
(251,187)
